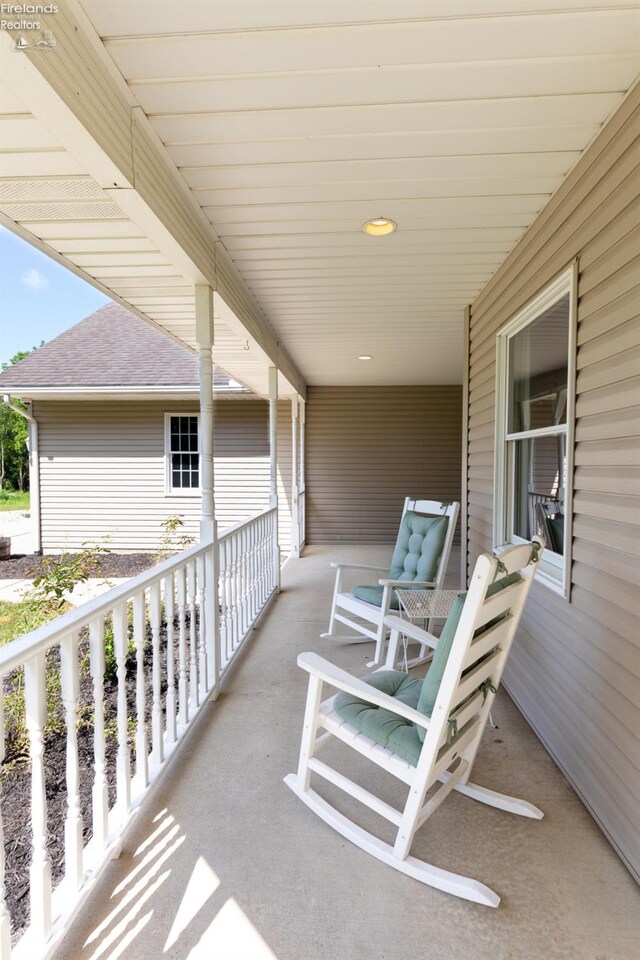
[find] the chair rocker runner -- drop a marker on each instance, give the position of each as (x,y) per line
(419,560)
(425,733)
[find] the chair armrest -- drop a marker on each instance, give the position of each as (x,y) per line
(337,564)
(408,584)
(329,673)
(411,630)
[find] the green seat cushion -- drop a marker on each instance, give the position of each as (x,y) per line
(416,555)
(374,595)
(556,531)
(433,679)
(386,728)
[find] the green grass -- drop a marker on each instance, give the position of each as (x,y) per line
(14,500)
(12,619)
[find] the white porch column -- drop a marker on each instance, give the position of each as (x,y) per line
(302,522)
(208,528)
(295,511)
(273,459)
(303,409)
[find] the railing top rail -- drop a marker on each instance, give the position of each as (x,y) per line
(37,641)
(229,532)
(14,654)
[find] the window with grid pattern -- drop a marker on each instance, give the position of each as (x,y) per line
(534,428)
(184,455)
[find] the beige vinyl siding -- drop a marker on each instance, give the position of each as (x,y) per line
(102,470)
(368,448)
(575,669)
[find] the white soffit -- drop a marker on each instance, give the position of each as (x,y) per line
(292,123)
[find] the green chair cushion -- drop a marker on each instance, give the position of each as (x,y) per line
(556,531)
(415,557)
(374,595)
(418,547)
(386,728)
(433,679)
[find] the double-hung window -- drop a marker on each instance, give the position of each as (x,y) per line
(534,428)
(182,453)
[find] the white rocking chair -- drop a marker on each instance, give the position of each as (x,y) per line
(440,721)
(422,550)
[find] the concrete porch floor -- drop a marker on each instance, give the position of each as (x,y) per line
(223,862)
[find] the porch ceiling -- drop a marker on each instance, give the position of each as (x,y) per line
(292,124)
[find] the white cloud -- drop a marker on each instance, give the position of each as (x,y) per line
(34,279)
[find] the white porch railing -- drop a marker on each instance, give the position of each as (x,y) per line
(166,660)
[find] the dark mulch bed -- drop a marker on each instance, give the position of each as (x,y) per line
(15,778)
(27,566)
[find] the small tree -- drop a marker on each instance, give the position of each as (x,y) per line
(14,429)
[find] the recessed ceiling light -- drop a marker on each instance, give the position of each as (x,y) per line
(380,227)
(365,356)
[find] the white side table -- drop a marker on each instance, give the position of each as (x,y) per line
(425,605)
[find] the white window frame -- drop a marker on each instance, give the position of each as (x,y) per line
(169,489)
(555,568)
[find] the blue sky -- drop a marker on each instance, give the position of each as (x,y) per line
(38,297)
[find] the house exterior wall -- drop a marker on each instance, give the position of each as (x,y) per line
(102,471)
(575,669)
(370,447)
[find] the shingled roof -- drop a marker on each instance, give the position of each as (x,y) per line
(110,348)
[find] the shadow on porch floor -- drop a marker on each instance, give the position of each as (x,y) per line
(224,862)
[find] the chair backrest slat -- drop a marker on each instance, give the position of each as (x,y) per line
(487,640)
(485,670)
(499,603)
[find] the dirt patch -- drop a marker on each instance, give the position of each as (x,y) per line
(28,566)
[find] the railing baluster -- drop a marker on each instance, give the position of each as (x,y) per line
(222,597)
(139,636)
(123,763)
(100,793)
(183,685)
(233,594)
(202,648)
(5,920)
(156,707)
(229,594)
(253,607)
(171,682)
(193,637)
(70,682)
(40,872)
(244,581)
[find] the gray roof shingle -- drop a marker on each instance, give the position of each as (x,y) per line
(110,348)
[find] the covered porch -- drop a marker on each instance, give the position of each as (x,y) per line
(222,860)
(228,208)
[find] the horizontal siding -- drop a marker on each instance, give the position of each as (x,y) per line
(575,670)
(370,447)
(102,471)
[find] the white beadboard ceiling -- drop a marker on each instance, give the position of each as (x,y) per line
(294,122)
